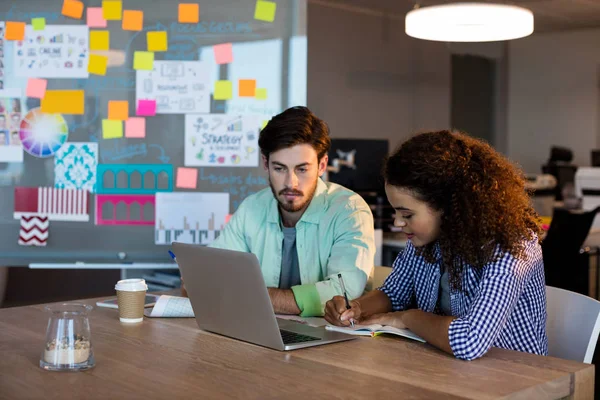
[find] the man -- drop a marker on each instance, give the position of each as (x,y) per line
(303,231)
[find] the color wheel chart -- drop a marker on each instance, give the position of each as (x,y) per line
(43,134)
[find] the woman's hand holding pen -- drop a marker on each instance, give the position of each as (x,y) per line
(336,312)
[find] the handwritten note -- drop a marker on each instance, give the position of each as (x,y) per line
(143,60)
(97,64)
(112,9)
(72,9)
(223,53)
(36,88)
(39,24)
(246,87)
(135,127)
(265,11)
(223,90)
(95,18)
(99,40)
(64,102)
(112,129)
(157,41)
(261,94)
(118,110)
(133,20)
(189,13)
(146,108)
(14,30)
(187,178)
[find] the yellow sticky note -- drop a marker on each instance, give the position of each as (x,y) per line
(112,9)
(133,20)
(143,60)
(97,64)
(64,102)
(118,110)
(265,10)
(39,24)
(112,129)
(99,40)
(157,41)
(263,124)
(260,94)
(223,90)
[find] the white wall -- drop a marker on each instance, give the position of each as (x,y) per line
(367,79)
(553,96)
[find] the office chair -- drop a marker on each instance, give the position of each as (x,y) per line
(559,165)
(564,264)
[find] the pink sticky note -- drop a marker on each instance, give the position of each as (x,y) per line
(146,108)
(95,19)
(36,88)
(228,217)
(187,178)
(135,127)
(223,53)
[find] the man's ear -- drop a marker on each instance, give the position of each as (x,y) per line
(323,164)
(265,162)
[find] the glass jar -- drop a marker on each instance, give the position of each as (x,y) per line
(68,345)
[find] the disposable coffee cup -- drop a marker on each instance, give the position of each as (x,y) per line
(131,294)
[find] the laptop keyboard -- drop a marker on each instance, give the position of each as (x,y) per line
(293,337)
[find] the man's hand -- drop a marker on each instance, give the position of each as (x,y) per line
(337,314)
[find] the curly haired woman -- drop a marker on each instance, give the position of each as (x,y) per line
(472,274)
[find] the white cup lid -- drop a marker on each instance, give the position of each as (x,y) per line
(131,285)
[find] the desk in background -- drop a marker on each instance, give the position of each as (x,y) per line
(172,358)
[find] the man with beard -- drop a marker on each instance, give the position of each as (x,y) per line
(303,231)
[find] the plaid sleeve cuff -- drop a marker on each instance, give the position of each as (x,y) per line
(389,292)
(464,341)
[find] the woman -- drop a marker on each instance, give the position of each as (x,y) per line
(472,274)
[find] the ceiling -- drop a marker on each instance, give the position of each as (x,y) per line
(550,15)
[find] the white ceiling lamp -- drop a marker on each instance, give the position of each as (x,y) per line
(469,22)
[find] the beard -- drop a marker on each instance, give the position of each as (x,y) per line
(291,206)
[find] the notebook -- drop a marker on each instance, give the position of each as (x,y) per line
(374,330)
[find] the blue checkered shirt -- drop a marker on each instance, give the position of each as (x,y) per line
(502,304)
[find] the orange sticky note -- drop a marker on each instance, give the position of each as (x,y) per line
(133,20)
(157,41)
(14,30)
(64,102)
(189,13)
(187,178)
(246,87)
(97,64)
(95,18)
(73,9)
(135,127)
(112,9)
(118,110)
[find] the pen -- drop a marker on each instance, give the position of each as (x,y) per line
(345,297)
(172,256)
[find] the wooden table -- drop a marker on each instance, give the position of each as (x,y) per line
(172,358)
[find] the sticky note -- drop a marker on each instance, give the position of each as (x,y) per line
(118,110)
(187,178)
(263,124)
(265,11)
(95,18)
(36,88)
(14,30)
(112,9)
(223,90)
(39,24)
(223,53)
(73,9)
(64,102)
(146,108)
(246,87)
(97,64)
(143,60)
(112,129)
(133,20)
(157,41)
(135,127)
(261,94)
(189,13)
(99,40)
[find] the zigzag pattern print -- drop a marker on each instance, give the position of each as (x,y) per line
(34,230)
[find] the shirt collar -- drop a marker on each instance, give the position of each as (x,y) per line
(313,213)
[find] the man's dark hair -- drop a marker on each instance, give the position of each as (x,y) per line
(294,126)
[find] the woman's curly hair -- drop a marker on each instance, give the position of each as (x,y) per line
(480,193)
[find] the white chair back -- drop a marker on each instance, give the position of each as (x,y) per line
(573,325)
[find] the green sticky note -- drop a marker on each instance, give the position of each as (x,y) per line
(39,24)
(265,11)
(223,90)
(260,94)
(112,129)
(263,124)
(143,60)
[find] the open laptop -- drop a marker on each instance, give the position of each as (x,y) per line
(229,297)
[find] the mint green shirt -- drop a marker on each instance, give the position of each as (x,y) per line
(335,235)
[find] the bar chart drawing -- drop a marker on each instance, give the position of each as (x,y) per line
(195,218)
